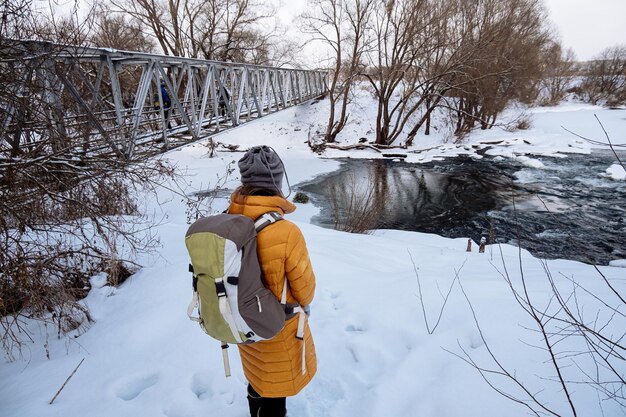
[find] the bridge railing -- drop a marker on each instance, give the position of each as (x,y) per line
(93,100)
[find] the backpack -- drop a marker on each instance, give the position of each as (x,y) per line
(233,304)
(157,104)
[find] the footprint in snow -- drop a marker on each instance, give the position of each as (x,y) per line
(355,328)
(177,412)
(354,354)
(200,385)
(336,302)
(321,398)
(475,340)
(131,387)
(338,306)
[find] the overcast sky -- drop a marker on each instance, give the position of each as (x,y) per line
(586,26)
(589,26)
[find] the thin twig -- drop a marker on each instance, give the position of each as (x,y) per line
(68,378)
(608,139)
(445,298)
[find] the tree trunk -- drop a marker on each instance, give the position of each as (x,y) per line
(428,112)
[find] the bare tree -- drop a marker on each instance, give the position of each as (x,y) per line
(30,19)
(285,53)
(606,77)
(506,60)
(214,29)
(445,61)
(15,18)
(400,29)
(471,58)
(341,25)
(360,43)
(559,69)
(326,22)
(115,31)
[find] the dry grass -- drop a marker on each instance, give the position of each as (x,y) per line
(355,206)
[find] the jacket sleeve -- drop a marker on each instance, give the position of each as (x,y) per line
(298,268)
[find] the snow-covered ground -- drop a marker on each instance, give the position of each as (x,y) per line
(143,357)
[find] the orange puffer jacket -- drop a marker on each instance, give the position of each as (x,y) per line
(274,367)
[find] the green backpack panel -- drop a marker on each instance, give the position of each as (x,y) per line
(234,306)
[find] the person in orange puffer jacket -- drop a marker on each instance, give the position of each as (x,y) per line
(282,366)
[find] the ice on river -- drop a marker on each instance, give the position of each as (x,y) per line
(616,172)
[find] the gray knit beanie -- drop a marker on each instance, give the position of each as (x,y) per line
(261,167)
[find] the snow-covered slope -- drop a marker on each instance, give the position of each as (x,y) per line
(143,357)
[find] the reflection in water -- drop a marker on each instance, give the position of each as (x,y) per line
(416,198)
(553,212)
(357,202)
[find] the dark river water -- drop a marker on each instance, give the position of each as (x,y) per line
(565,210)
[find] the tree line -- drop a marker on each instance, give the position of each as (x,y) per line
(468,58)
(225,30)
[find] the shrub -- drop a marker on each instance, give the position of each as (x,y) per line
(355,206)
(301,198)
(605,81)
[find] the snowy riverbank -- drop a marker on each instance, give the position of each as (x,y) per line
(143,357)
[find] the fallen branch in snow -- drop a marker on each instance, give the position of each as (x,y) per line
(380,146)
(229,147)
(359,146)
(65,383)
(425,150)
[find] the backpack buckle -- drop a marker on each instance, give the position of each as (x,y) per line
(266,219)
(220,288)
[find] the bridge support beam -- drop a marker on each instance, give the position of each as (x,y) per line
(108,101)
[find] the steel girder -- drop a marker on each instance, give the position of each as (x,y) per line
(78,99)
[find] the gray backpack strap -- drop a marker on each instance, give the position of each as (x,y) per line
(261,223)
(266,219)
(193,305)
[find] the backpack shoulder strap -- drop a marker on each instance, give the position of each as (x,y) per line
(261,223)
(266,219)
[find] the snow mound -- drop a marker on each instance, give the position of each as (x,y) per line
(616,172)
(531,162)
(619,263)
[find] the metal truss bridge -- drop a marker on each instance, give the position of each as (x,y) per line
(79,100)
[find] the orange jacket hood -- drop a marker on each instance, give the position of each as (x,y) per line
(254,206)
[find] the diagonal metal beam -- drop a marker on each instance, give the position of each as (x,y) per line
(111,93)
